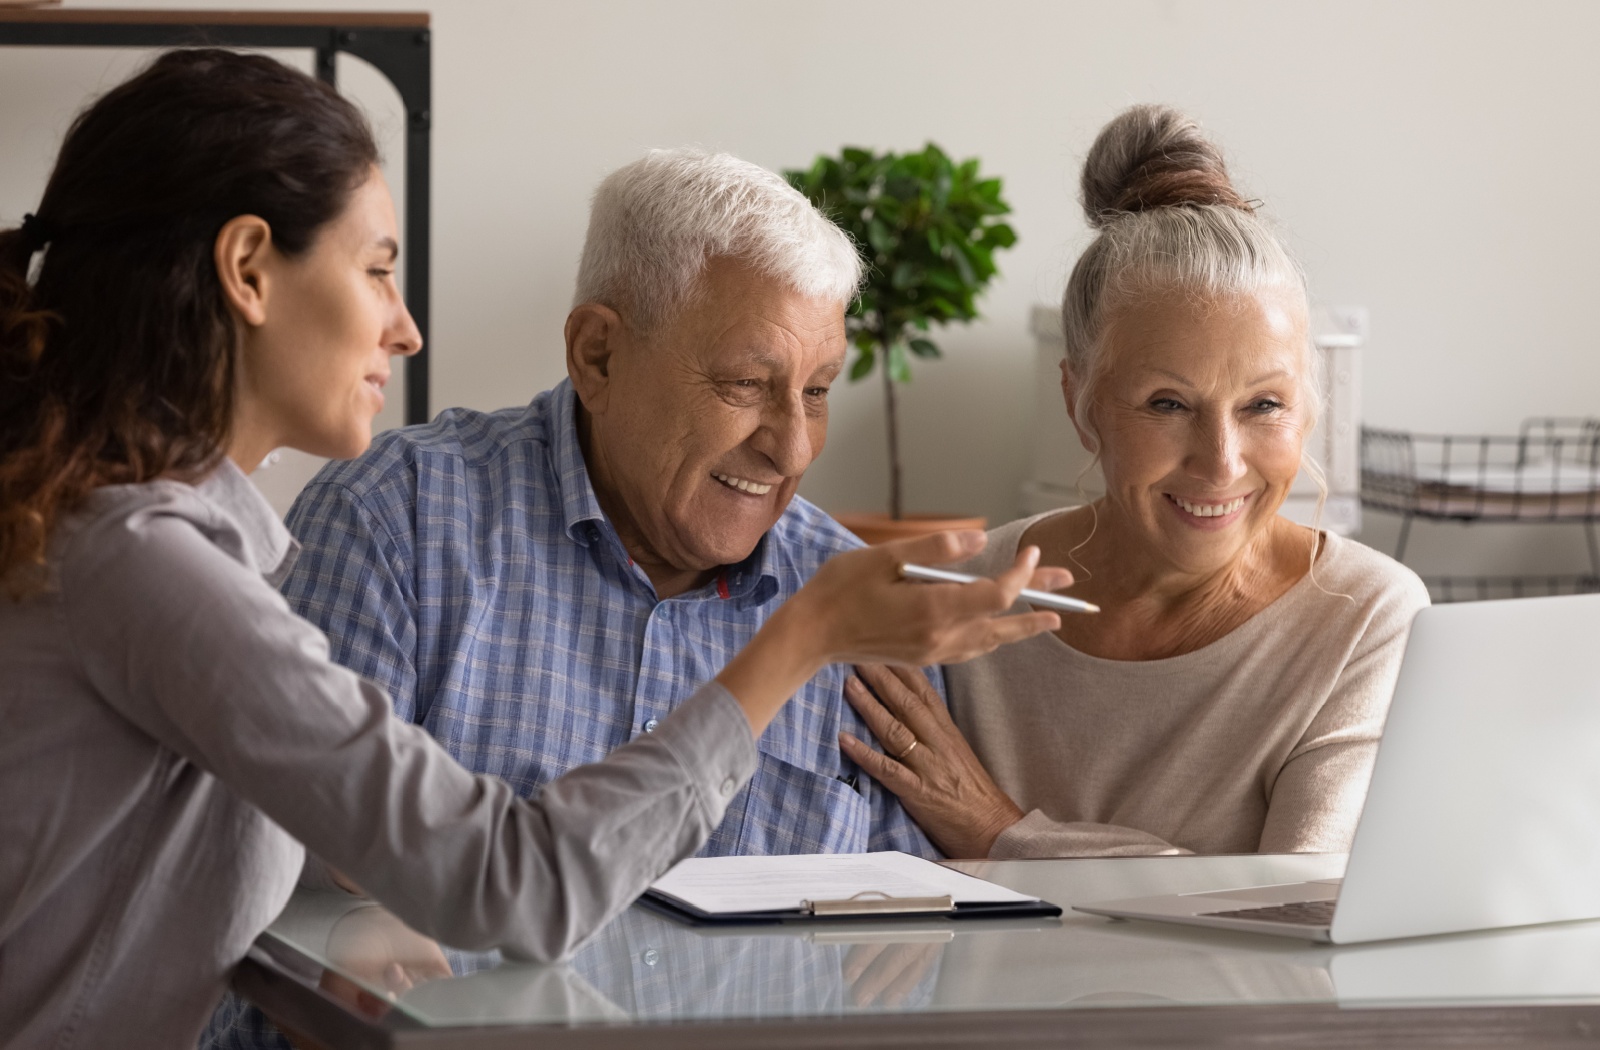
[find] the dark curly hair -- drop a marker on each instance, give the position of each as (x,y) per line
(117,360)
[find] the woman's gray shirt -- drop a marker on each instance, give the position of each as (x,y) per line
(170,733)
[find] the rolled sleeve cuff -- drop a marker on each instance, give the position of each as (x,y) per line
(1038,835)
(1021,840)
(710,737)
(308,920)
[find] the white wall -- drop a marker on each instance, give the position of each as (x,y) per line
(1432,160)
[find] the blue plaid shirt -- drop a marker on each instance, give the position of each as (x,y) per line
(466,566)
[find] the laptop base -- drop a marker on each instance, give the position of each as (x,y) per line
(1221,909)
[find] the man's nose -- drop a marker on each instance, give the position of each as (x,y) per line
(1217,457)
(786,438)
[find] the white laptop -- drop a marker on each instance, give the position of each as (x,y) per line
(1484,806)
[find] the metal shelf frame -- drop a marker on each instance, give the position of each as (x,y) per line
(398,44)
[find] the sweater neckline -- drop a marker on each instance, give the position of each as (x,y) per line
(1241,637)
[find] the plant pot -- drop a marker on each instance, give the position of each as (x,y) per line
(880,528)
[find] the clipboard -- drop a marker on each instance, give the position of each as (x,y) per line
(692,916)
(819,886)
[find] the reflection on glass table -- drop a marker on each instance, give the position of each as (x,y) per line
(641,966)
(647,969)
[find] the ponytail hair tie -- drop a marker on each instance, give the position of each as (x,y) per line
(37,232)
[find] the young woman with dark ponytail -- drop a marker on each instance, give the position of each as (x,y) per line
(210,275)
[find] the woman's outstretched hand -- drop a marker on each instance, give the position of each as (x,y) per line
(869,613)
(926,761)
(858,609)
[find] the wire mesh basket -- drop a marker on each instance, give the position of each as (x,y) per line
(1548,472)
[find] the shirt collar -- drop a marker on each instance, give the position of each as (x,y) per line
(267,542)
(581,515)
(753,580)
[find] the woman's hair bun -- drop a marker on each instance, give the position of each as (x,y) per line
(1153,157)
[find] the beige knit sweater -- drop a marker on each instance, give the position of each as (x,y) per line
(1262,741)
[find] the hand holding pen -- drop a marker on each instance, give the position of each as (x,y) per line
(857,608)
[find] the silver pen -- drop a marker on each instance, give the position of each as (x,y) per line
(1032,597)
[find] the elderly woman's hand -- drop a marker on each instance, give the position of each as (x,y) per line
(939,780)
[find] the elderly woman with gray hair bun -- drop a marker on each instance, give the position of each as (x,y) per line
(1230,696)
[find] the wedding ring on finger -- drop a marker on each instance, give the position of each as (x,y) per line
(901,757)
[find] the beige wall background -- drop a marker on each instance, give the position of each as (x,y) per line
(1432,160)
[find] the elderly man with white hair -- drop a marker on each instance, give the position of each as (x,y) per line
(538,586)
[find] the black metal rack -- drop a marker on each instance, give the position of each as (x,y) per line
(398,44)
(1549,472)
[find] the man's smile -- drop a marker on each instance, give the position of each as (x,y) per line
(754,488)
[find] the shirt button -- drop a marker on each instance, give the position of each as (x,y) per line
(650,726)
(728,786)
(651,957)
(666,611)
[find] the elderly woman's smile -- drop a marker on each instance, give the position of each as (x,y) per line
(1209,515)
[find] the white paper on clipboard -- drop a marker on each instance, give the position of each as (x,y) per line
(739,885)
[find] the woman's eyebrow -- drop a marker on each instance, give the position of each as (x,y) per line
(391,245)
(1276,373)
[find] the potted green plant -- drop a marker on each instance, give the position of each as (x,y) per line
(928,228)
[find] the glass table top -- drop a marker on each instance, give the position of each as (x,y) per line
(646,968)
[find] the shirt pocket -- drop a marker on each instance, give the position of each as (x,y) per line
(790,809)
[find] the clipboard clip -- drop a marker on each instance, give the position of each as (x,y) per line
(874,902)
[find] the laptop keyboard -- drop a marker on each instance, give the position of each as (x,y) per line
(1301,913)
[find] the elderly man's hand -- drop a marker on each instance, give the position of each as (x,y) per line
(926,761)
(858,609)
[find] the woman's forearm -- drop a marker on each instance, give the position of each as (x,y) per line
(1038,835)
(785,654)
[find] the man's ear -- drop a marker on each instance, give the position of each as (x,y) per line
(594,335)
(240,254)
(1069,393)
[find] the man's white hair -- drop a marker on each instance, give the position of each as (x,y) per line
(655,224)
